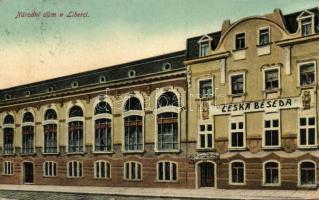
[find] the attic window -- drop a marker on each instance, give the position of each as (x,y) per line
(204,45)
(102,79)
(167,66)
(27,93)
(131,73)
(75,84)
(306,26)
(306,23)
(7,97)
(50,89)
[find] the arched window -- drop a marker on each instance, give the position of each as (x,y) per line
(28,133)
(132,171)
(50,131)
(307,174)
(8,134)
(102,169)
(167,122)
(133,125)
(103,127)
(237,173)
(75,138)
(75,169)
(271,173)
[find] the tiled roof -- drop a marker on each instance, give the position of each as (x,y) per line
(141,68)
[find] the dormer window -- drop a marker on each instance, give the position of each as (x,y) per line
(204,45)
(306,23)
(306,26)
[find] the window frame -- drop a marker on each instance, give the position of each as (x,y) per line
(307,136)
(230,91)
(299,174)
(129,113)
(258,36)
(171,175)
(205,133)
(167,109)
(107,165)
(237,120)
(107,116)
(51,122)
(75,119)
(53,166)
(28,124)
(204,39)
(130,163)
(9,126)
(264,173)
(198,87)
(235,41)
(271,117)
(230,181)
(5,167)
(77,169)
(265,70)
(299,65)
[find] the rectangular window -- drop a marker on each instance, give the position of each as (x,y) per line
(237,173)
(271,173)
(240,41)
(167,127)
(307,131)
(8,168)
(49,169)
(75,169)
(237,84)
(206,88)
(8,140)
(50,138)
(167,171)
(75,137)
(264,36)
(133,133)
(103,139)
(307,74)
(271,131)
(205,136)
(27,139)
(271,79)
(237,134)
(204,49)
(132,171)
(306,26)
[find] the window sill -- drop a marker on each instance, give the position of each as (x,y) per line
(307,86)
(103,179)
(56,153)
(237,148)
(271,147)
(132,180)
(167,151)
(102,152)
(132,152)
(271,185)
(7,174)
(204,98)
(28,154)
(75,153)
(237,95)
(307,147)
(205,149)
(237,184)
(267,91)
(263,45)
(49,176)
(166,181)
(9,154)
(75,177)
(241,49)
(308,186)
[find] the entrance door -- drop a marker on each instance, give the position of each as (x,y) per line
(28,172)
(206,174)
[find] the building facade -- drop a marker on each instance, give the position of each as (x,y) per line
(237,109)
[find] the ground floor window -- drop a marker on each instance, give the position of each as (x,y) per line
(102,169)
(49,168)
(271,173)
(75,169)
(307,173)
(237,171)
(166,171)
(132,171)
(7,168)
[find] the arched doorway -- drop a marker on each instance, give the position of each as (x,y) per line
(205,174)
(27,172)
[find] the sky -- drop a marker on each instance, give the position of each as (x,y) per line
(111,31)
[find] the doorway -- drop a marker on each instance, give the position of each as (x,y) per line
(27,172)
(206,174)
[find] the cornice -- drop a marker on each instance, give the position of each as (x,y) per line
(208,58)
(298,40)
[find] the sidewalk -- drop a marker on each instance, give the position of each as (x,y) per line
(171,193)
